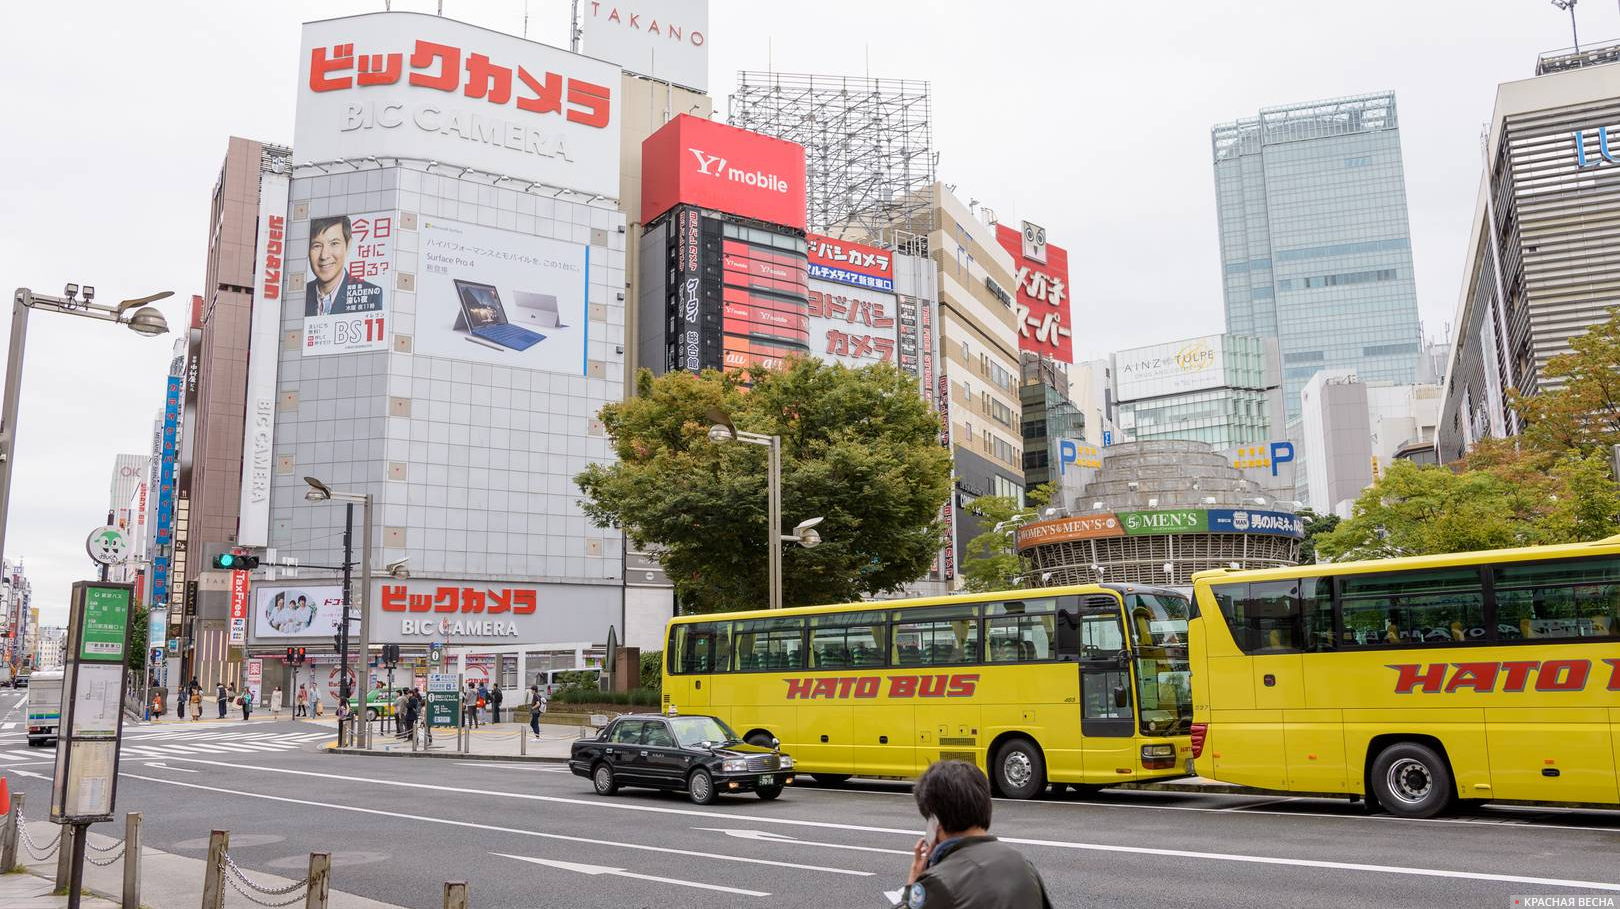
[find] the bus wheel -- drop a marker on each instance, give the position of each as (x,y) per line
(1020,770)
(831,779)
(1412,780)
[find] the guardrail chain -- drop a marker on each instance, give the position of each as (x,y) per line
(237,878)
(33,848)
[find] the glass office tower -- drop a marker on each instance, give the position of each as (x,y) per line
(1315,248)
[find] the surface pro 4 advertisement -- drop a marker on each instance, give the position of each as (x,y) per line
(501,297)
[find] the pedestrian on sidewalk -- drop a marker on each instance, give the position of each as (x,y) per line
(401,702)
(303,701)
(483,696)
(157,705)
(495,703)
(246,700)
(470,708)
(537,708)
(275,702)
(196,704)
(413,708)
(220,696)
(960,863)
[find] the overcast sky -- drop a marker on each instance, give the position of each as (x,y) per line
(1091,118)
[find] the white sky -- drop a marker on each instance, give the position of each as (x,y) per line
(1091,118)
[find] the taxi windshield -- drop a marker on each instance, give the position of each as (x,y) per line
(696,730)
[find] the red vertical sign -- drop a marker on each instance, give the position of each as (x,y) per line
(1045,325)
(239,607)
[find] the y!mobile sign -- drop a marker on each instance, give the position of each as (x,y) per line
(1045,325)
(851,263)
(408,85)
(712,165)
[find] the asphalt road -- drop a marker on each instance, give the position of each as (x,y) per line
(535,835)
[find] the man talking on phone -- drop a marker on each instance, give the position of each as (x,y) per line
(958,864)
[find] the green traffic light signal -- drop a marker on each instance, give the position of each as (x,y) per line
(225,560)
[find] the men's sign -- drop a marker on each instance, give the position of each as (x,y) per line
(1178,520)
(1274,523)
(1063,530)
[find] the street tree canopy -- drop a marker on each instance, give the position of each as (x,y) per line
(990,560)
(860,449)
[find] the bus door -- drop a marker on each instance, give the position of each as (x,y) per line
(700,651)
(1107,717)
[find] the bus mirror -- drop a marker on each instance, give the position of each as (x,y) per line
(1121,696)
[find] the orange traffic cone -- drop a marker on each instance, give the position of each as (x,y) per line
(5,796)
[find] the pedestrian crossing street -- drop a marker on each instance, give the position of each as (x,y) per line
(165,743)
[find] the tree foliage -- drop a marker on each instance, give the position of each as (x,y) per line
(135,640)
(1316,525)
(1583,413)
(860,449)
(990,560)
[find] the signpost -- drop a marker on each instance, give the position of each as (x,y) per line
(85,783)
(443,694)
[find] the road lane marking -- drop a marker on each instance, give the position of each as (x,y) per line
(162,766)
(507,765)
(1098,847)
(765,836)
(1228,809)
(8,726)
(497,829)
(620,872)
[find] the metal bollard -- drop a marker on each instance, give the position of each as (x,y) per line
(455,895)
(213,894)
(11,834)
(132,861)
(523,742)
(64,857)
(320,880)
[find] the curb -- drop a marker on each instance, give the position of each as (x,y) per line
(452,755)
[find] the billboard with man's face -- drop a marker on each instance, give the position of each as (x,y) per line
(347,280)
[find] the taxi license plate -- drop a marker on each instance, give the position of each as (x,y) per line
(766,780)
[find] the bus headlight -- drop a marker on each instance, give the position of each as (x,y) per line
(737,766)
(1158,757)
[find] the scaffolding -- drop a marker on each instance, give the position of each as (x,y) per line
(867,142)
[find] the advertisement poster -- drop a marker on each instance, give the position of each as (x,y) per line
(239,608)
(499,297)
(296,612)
(1045,323)
(348,282)
(852,326)
(264,344)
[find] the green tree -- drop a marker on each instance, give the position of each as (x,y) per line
(1417,510)
(135,641)
(1583,414)
(1315,526)
(990,561)
(860,449)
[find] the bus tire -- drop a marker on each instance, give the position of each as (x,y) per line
(1412,780)
(759,739)
(831,779)
(1020,771)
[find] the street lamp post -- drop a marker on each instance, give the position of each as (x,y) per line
(320,492)
(804,534)
(141,318)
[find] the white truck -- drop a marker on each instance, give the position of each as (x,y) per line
(44,706)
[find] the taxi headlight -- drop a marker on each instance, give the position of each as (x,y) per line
(787,762)
(737,766)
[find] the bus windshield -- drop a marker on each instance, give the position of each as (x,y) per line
(1158,625)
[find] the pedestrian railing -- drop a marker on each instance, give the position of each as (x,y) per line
(222,871)
(60,847)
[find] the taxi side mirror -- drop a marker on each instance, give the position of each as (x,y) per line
(776,744)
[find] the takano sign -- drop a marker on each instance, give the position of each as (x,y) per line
(409,85)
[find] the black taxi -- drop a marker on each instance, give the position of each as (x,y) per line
(698,754)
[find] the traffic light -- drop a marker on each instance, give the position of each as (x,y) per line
(390,654)
(301,656)
(235,561)
(292,654)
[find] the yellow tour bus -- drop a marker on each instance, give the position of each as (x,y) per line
(1414,682)
(1073,686)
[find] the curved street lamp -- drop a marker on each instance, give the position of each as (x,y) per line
(804,534)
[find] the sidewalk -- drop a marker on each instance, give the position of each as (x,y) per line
(168,881)
(492,741)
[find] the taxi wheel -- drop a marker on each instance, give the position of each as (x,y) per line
(1020,771)
(700,787)
(1412,780)
(371,713)
(602,779)
(768,793)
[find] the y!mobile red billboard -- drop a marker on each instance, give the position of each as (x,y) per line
(1045,325)
(716,166)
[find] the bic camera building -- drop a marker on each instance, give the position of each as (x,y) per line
(443,304)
